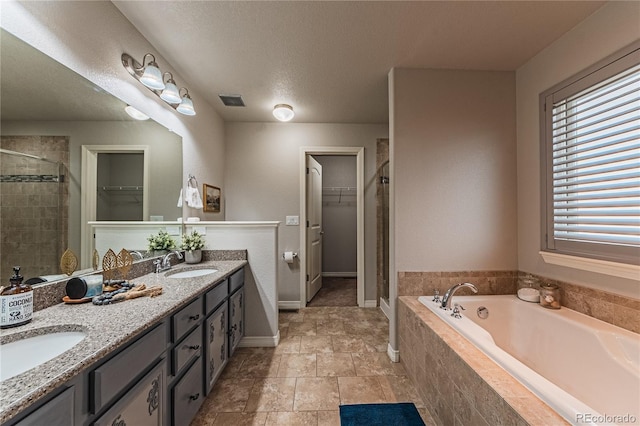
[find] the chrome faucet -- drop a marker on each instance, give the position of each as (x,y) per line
(446,299)
(164,264)
(136,253)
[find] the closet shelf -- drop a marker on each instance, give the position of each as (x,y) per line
(121,188)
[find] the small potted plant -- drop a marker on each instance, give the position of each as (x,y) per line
(160,243)
(192,245)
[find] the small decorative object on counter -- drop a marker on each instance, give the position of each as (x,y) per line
(125,292)
(68,262)
(124,261)
(528,290)
(161,241)
(80,288)
(550,296)
(192,244)
(16,302)
(109,265)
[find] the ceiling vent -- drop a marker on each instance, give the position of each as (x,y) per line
(232,100)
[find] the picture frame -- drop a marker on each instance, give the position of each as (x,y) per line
(212,197)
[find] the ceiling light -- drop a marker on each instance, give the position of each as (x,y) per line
(186,106)
(283,112)
(170,93)
(135,113)
(151,76)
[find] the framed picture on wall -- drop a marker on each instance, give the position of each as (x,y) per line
(211,198)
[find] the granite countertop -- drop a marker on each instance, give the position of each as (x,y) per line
(107,328)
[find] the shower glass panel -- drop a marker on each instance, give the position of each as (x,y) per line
(30,214)
(384,182)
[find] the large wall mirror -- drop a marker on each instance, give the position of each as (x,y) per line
(49,116)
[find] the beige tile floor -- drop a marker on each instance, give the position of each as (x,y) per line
(327,356)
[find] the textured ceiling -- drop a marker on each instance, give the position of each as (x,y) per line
(330,60)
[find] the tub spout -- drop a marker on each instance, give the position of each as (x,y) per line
(446,299)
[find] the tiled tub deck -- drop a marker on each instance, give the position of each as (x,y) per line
(458,383)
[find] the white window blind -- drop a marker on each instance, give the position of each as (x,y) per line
(593,166)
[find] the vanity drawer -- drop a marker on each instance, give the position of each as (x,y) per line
(216,295)
(236,280)
(185,351)
(187,396)
(186,319)
(116,374)
(143,405)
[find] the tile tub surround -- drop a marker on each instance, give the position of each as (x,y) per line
(107,328)
(459,384)
(614,309)
(49,294)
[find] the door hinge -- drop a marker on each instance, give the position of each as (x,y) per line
(307,170)
(307,277)
(307,224)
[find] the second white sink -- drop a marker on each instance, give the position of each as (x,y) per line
(191,273)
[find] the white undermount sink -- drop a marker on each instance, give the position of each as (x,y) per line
(22,355)
(191,273)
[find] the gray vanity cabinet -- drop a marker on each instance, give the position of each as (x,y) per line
(143,405)
(236,319)
(216,346)
(59,411)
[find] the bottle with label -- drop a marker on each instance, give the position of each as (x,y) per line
(16,302)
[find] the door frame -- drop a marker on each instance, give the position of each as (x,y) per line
(358,152)
(89,191)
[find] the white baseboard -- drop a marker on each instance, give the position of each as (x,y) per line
(340,274)
(260,341)
(370,304)
(385,308)
(393,354)
(289,305)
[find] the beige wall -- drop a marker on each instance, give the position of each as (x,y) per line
(263,183)
(89,38)
(454,170)
(590,41)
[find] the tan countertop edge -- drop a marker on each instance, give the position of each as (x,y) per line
(107,328)
(531,408)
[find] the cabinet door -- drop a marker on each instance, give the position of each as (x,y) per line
(216,345)
(141,406)
(57,412)
(187,396)
(236,319)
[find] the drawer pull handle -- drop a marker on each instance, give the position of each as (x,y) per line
(194,347)
(194,397)
(194,317)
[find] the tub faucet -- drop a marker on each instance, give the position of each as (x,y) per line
(165,264)
(446,299)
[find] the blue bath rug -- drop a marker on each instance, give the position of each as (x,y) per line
(402,414)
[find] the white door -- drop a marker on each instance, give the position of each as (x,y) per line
(314,227)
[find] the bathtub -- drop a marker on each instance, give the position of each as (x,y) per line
(585,369)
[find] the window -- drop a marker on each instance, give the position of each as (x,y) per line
(591,161)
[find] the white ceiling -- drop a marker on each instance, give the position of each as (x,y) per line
(330,60)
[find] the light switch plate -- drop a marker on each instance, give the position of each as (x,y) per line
(293,220)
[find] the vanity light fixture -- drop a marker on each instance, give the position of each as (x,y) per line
(283,112)
(170,93)
(136,113)
(152,78)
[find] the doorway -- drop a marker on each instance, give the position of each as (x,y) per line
(120,186)
(338,213)
(89,190)
(352,194)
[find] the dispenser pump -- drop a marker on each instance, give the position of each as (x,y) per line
(16,302)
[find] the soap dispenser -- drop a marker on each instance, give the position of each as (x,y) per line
(16,302)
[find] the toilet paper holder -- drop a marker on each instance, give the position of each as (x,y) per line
(286,254)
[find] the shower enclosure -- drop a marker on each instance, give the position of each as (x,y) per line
(383,182)
(32,220)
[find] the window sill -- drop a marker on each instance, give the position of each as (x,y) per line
(622,270)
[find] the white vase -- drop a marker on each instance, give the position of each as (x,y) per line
(193,256)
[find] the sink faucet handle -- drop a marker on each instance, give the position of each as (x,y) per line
(158,264)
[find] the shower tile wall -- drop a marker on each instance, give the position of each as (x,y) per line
(33,215)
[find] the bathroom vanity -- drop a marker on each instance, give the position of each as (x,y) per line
(147,361)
